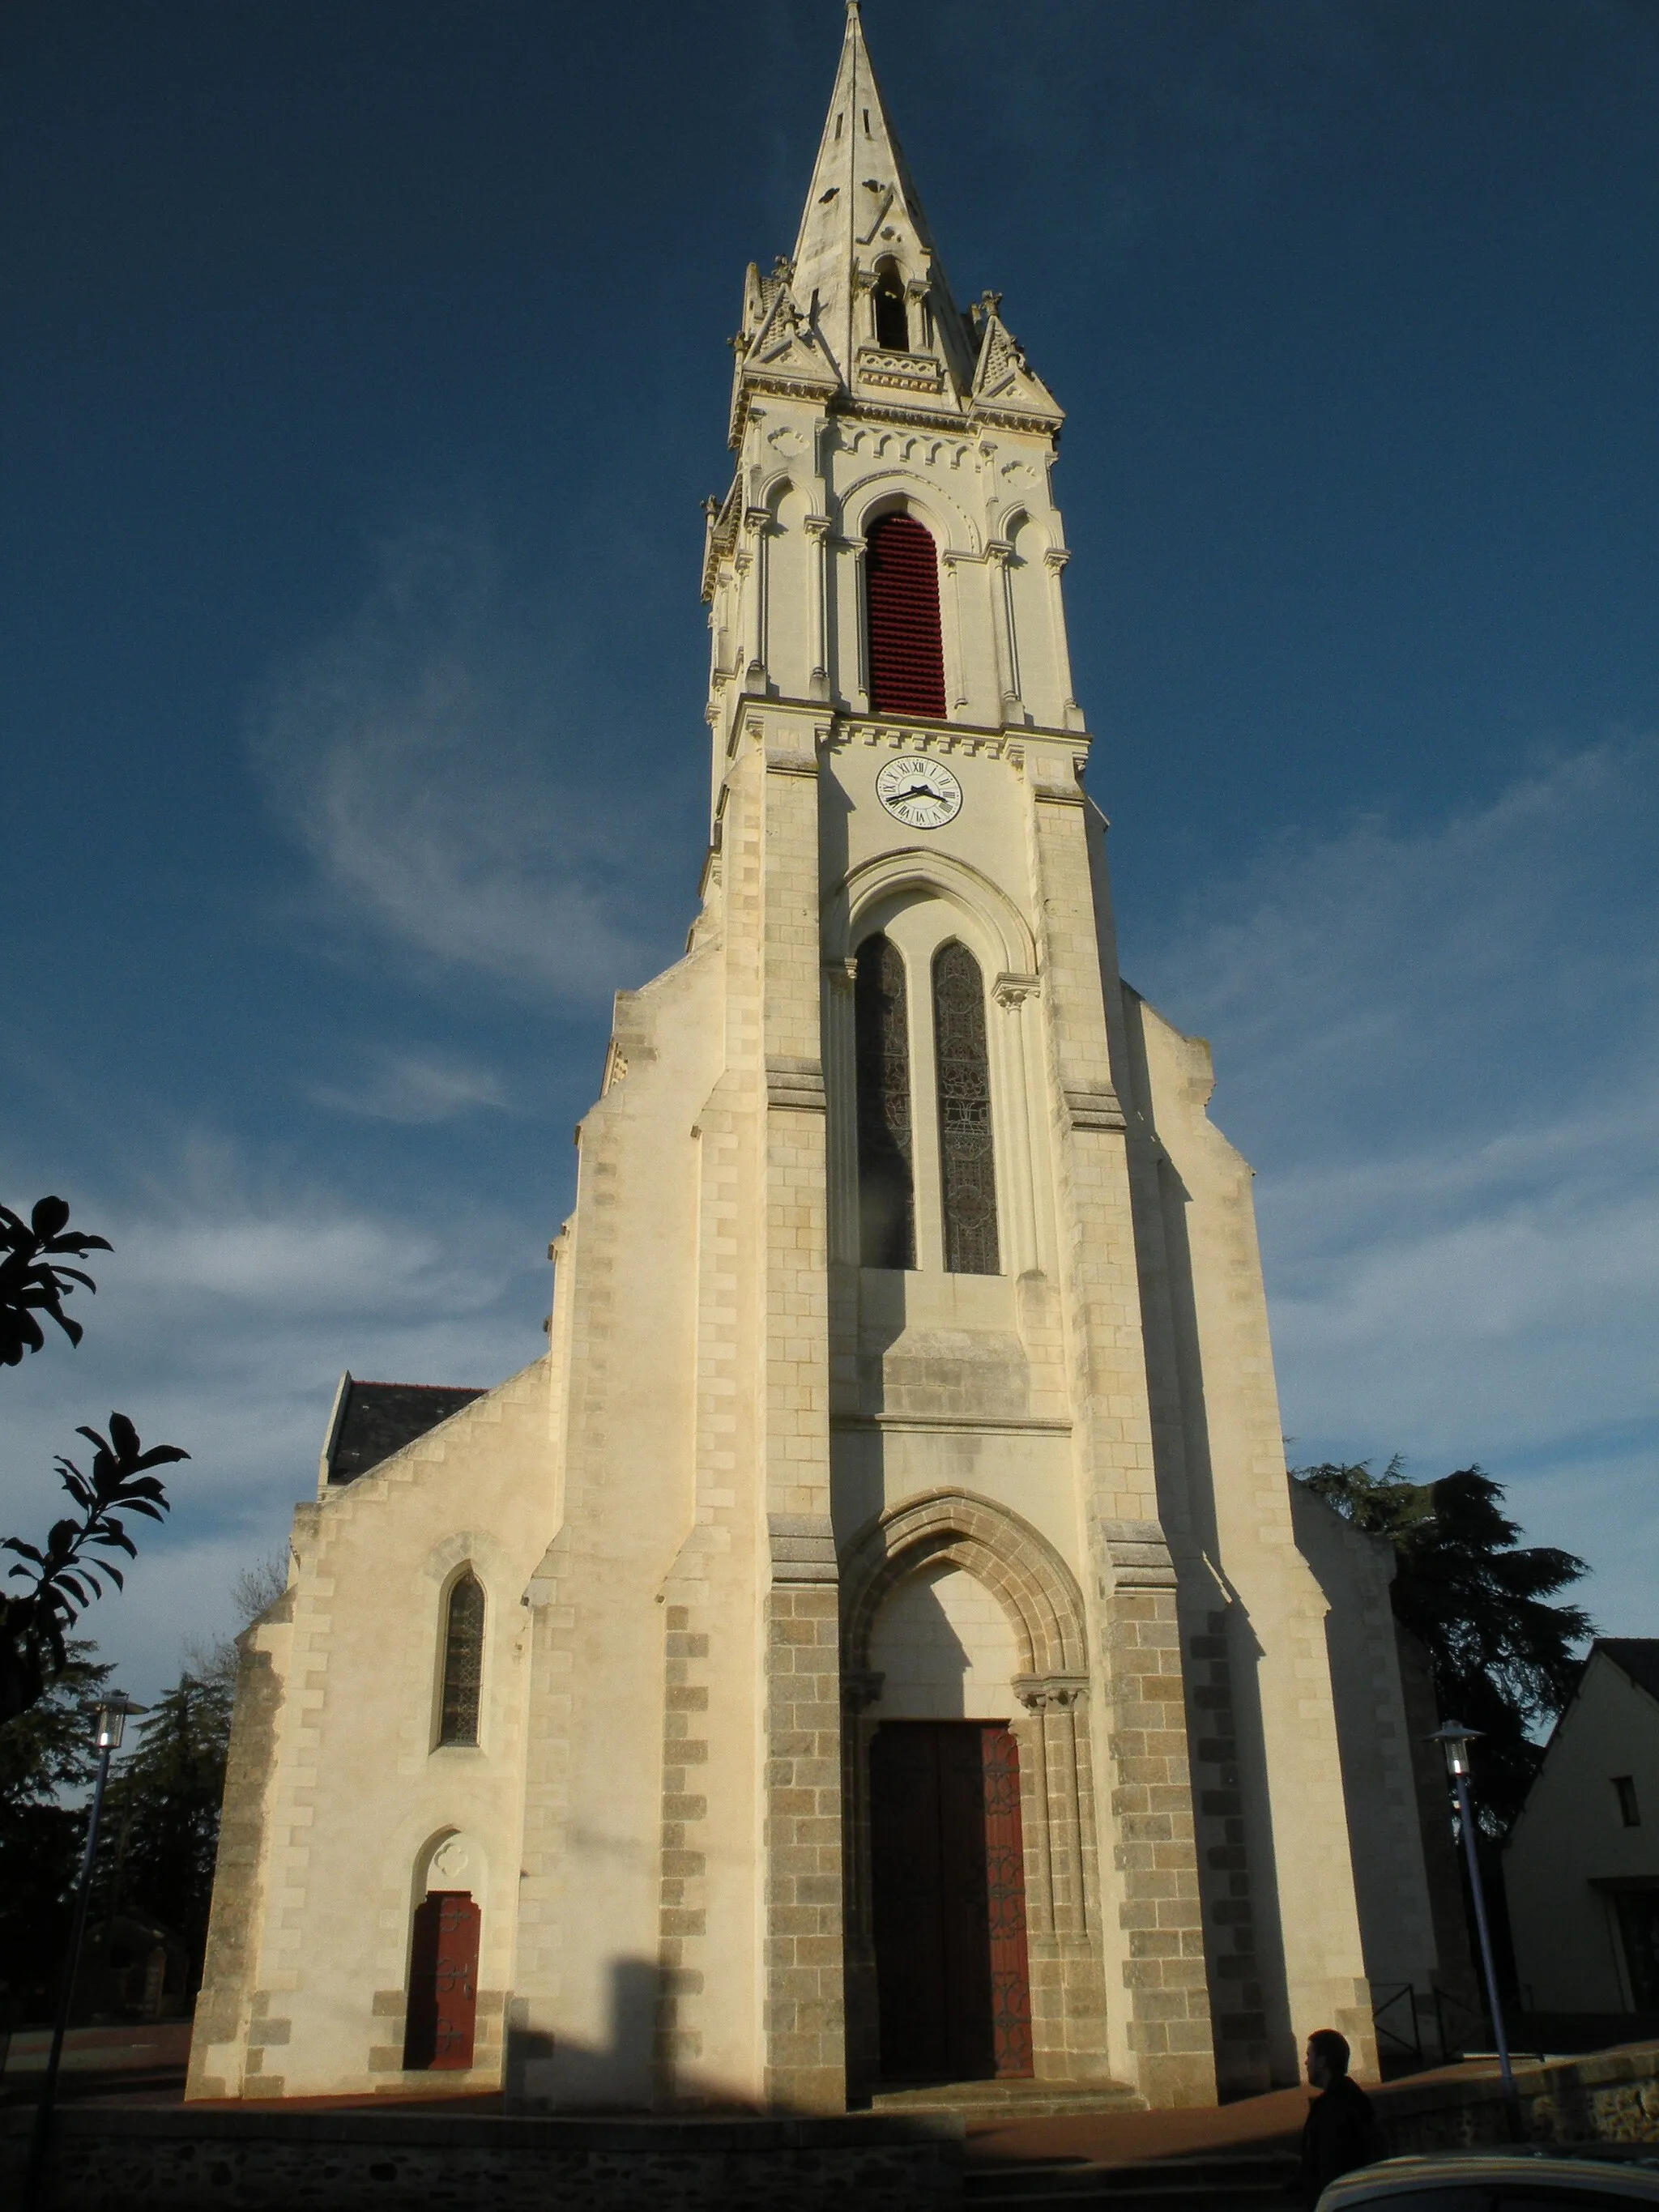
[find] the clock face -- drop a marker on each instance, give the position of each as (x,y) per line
(921,794)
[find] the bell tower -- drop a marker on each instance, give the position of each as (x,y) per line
(898,789)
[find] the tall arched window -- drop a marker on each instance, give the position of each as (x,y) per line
(968,1183)
(892,319)
(887,1235)
(463,1661)
(906,653)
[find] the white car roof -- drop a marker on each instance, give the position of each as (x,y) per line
(1614,2179)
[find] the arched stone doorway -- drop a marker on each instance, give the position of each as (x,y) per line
(962,1646)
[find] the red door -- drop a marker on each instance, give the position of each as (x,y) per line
(949,1884)
(443,1982)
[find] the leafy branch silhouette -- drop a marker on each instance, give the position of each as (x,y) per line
(75,1565)
(31,1280)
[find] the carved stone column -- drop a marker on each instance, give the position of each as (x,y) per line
(1067,1981)
(1010,1064)
(752,567)
(1055,561)
(816,528)
(841,1095)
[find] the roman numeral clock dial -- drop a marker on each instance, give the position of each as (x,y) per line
(921,794)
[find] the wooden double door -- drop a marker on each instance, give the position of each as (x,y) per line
(948,1877)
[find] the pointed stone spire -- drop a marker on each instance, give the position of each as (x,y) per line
(864,226)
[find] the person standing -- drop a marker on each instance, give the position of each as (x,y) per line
(1342,2130)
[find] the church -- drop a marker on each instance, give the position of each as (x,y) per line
(878,1643)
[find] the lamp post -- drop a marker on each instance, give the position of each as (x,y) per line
(110,1721)
(1454,1739)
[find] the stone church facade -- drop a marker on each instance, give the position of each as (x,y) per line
(876,1642)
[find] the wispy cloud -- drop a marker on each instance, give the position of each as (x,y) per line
(436,759)
(415,1088)
(236,1292)
(1441,1047)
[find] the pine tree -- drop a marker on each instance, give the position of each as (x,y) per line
(160,1830)
(1505,1659)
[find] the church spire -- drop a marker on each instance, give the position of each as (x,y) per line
(863,231)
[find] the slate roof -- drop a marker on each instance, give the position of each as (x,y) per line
(1638,1655)
(375,1419)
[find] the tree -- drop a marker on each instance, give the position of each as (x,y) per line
(162,1829)
(31,1280)
(161,1823)
(159,1836)
(1503,1658)
(44,1752)
(71,1570)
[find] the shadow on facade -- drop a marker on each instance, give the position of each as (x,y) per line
(630,2073)
(1244,1944)
(548,2073)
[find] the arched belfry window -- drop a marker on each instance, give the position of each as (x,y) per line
(887,1235)
(968,1183)
(463,1661)
(892,318)
(907,652)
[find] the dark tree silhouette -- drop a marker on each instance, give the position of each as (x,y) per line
(72,1568)
(43,1753)
(31,1280)
(1503,1658)
(161,1836)
(69,1574)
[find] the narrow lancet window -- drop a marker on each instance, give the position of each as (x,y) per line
(892,318)
(966,1167)
(887,1235)
(907,652)
(463,1661)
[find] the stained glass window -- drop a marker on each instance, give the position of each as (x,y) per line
(463,1661)
(967,1167)
(887,1236)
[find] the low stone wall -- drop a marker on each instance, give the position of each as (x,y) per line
(184,2161)
(1609,2096)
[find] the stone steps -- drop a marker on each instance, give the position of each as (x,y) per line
(1010,2101)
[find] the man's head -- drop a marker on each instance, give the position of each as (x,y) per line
(1327,2057)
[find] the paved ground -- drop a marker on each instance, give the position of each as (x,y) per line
(128,2065)
(1254,2123)
(146,2065)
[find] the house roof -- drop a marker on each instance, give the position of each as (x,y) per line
(1637,1656)
(374,1419)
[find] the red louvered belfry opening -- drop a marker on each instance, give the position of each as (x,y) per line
(906,657)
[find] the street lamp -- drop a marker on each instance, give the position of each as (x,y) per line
(109,1725)
(1454,1739)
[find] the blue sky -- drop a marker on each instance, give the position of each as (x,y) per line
(365,370)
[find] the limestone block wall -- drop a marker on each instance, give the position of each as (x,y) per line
(1161,2033)
(306,1982)
(1396,1924)
(1279,1894)
(593,1998)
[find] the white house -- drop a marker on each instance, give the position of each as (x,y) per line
(1582,1869)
